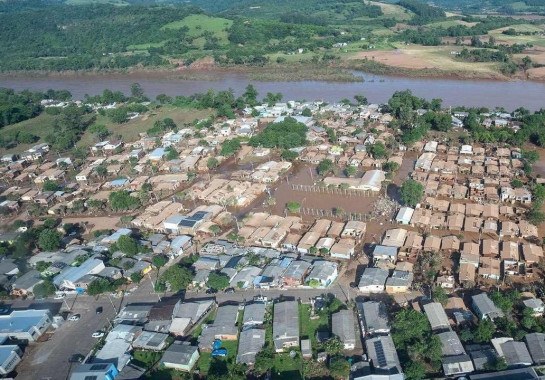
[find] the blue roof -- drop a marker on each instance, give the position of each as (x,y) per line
(5,352)
(119,182)
(179,241)
(73,274)
(21,320)
(384,250)
(158,152)
(285,262)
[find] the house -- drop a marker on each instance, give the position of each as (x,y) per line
(69,277)
(382,354)
(484,308)
(250,343)
(8,267)
(404,215)
(343,326)
(515,353)
(98,371)
(455,361)
(134,314)
(26,325)
(436,316)
(373,280)
(520,373)
(151,340)
(354,228)
(306,349)
(25,284)
(286,325)
(343,249)
(383,252)
(180,356)
(186,314)
(373,317)
(223,328)
(323,272)
(254,314)
(536,305)
(117,346)
(10,356)
(295,273)
(394,237)
(482,355)
(399,282)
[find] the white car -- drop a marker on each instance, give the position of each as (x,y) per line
(98,334)
(60,296)
(74,317)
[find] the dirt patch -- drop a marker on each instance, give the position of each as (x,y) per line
(537,73)
(397,58)
(95,223)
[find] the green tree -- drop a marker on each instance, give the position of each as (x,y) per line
(99,286)
(218,281)
(306,112)
(378,150)
(361,100)
(177,277)
(101,170)
(44,289)
(127,245)
(289,155)
(212,163)
(293,207)
(49,185)
(41,266)
(171,154)
(49,240)
(484,331)
(351,170)
(497,364)
(136,277)
(415,371)
(411,192)
(230,147)
(122,200)
(339,367)
(159,261)
(536,216)
(99,131)
(439,295)
(325,166)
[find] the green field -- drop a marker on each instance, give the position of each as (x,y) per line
(199,24)
(206,357)
(309,326)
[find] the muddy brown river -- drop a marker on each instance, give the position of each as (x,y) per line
(376,88)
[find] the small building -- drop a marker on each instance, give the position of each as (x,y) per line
(286,325)
(254,314)
(323,272)
(250,343)
(306,349)
(343,326)
(10,356)
(373,280)
(399,282)
(515,353)
(536,305)
(436,316)
(382,354)
(484,308)
(180,356)
(87,371)
(373,317)
(26,325)
(404,215)
(536,347)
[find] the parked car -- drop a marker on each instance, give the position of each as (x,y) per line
(230,290)
(211,291)
(76,358)
(97,334)
(75,317)
(99,310)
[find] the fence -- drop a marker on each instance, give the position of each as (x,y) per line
(335,214)
(335,191)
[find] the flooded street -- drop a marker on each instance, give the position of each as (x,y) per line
(377,88)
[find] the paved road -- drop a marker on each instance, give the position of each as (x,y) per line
(50,360)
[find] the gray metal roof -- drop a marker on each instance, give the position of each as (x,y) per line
(374,316)
(179,353)
(436,316)
(285,322)
(373,276)
(251,341)
(514,374)
(254,313)
(450,344)
(343,326)
(536,346)
(485,306)
(516,353)
(382,353)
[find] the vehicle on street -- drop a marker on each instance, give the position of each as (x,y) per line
(75,317)
(76,358)
(99,310)
(211,291)
(60,296)
(97,334)
(230,290)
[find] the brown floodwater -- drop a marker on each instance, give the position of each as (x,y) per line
(377,88)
